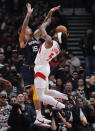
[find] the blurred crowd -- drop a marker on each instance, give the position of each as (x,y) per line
(67,75)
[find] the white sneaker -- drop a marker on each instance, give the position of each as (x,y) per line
(41,123)
(65,97)
(42,118)
(46,120)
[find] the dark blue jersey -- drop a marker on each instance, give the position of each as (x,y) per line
(30,51)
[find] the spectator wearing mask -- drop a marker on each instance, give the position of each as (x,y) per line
(67,75)
(74,80)
(73,62)
(81,87)
(13,100)
(82,72)
(88,87)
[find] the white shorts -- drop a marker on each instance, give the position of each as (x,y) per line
(44,69)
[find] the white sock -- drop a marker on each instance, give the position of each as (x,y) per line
(55,93)
(48,99)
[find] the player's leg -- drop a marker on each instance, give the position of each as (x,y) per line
(40,85)
(54,93)
(37,105)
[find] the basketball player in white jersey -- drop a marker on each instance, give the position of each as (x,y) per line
(26,36)
(49,49)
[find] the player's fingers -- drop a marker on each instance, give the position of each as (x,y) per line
(32,9)
(28,5)
(57,8)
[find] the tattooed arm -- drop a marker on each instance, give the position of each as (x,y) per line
(47,21)
(24,26)
(51,12)
(6,82)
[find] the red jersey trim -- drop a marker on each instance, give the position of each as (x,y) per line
(40,49)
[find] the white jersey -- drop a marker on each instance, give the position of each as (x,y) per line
(45,55)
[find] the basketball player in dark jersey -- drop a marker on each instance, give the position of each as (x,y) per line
(30,45)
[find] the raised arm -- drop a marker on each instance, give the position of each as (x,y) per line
(47,21)
(37,33)
(6,82)
(25,24)
(51,12)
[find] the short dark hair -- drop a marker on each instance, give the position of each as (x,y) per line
(92,96)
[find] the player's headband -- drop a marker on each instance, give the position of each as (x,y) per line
(59,37)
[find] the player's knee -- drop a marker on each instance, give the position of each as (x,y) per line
(47,91)
(40,94)
(40,97)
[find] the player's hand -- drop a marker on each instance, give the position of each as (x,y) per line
(29,9)
(8,84)
(54,9)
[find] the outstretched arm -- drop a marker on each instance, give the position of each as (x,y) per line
(25,24)
(47,21)
(51,12)
(6,82)
(37,33)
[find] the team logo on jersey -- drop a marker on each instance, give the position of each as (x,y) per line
(33,42)
(55,50)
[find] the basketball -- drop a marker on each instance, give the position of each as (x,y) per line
(62,29)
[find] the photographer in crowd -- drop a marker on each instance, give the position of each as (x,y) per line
(19,119)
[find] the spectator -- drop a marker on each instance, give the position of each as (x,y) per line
(58,71)
(52,81)
(87,45)
(82,72)
(13,100)
(28,107)
(18,120)
(88,87)
(69,88)
(54,63)
(59,85)
(73,62)
(74,80)
(91,112)
(4,110)
(81,87)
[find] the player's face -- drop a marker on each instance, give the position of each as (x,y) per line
(55,37)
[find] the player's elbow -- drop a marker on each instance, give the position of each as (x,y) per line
(21,44)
